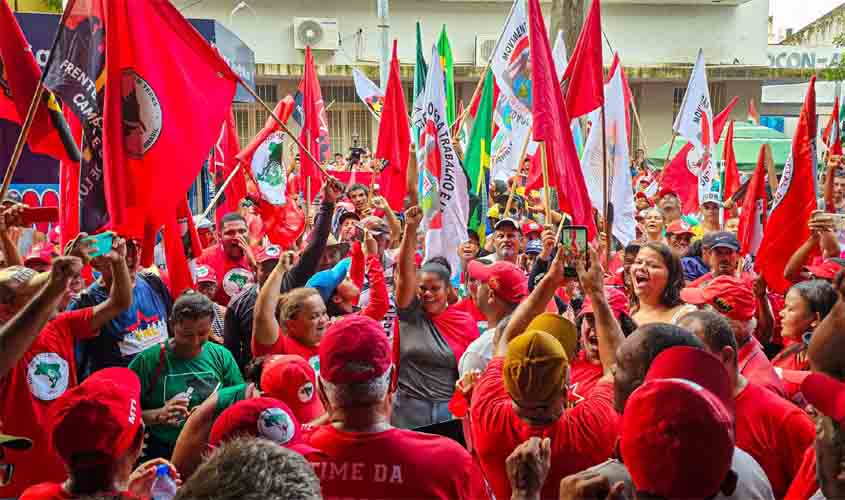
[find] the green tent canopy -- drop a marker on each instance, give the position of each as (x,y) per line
(747,141)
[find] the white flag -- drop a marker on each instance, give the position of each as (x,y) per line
(368,92)
(559,55)
(444,195)
(695,124)
(621,196)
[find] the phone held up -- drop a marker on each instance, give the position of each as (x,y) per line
(102,243)
(574,240)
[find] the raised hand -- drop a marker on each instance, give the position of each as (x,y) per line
(413,216)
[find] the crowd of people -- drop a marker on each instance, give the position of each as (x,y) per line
(347,366)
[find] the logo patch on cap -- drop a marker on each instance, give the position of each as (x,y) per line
(306,392)
(202,271)
(722,305)
(276,425)
(272,251)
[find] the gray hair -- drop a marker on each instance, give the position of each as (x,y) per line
(252,469)
(369,392)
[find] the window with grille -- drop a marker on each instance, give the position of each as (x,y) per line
(677,100)
(268,93)
(359,126)
(245,132)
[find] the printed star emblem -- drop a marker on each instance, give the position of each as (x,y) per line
(574,397)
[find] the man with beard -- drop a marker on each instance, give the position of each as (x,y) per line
(679,234)
(720,251)
(231,259)
(506,242)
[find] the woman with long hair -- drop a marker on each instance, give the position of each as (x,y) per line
(657,278)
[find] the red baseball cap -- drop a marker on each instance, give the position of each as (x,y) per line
(269,252)
(354,349)
(291,379)
(825,393)
(507,280)
(40,252)
(679,227)
(695,365)
(101,415)
(206,274)
(677,440)
(664,191)
(263,417)
(729,295)
(617,300)
(826,270)
(531,227)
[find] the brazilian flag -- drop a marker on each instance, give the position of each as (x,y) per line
(477,158)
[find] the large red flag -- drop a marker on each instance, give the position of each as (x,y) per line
(832,136)
(731,170)
(551,126)
(394,139)
(752,220)
(786,229)
(223,162)
(19,78)
(154,145)
(69,189)
(678,177)
(283,224)
(585,71)
(284,109)
(315,130)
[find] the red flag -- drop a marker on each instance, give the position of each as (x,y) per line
(69,189)
(223,162)
(786,229)
(731,171)
(283,223)
(752,220)
(283,110)
(19,77)
(154,145)
(585,71)
(551,123)
(315,131)
(753,115)
(832,136)
(394,139)
(677,175)
(178,271)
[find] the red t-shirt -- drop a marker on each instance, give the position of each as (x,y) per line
(396,463)
(232,275)
(55,491)
(583,377)
(793,358)
(773,431)
(806,482)
(756,367)
(27,392)
(468,306)
(582,437)
(288,345)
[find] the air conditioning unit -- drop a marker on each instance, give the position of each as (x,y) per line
(484,47)
(319,33)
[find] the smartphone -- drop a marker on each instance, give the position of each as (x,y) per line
(838,221)
(575,239)
(102,243)
(37,215)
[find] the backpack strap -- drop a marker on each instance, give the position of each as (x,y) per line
(162,355)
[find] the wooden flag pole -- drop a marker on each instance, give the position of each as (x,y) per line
(220,190)
(669,153)
(546,197)
(770,169)
(18,151)
(640,127)
(605,207)
(307,202)
(519,170)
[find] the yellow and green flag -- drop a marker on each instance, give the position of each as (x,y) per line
(477,158)
(444,49)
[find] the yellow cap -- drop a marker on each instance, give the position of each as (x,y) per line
(535,367)
(558,327)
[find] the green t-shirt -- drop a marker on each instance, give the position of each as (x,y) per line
(229,396)
(213,369)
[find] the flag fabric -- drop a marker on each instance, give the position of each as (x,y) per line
(263,156)
(315,130)
(223,162)
(551,126)
(832,136)
(694,123)
(444,197)
(444,51)
(368,92)
(731,181)
(616,65)
(585,71)
(559,54)
(420,72)
(178,270)
(394,140)
(19,79)
(752,219)
(795,200)
(477,158)
(753,115)
(80,47)
(69,188)
(679,175)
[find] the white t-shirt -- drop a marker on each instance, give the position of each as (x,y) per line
(478,353)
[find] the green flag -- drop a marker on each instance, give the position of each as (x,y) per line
(420,72)
(477,157)
(445,51)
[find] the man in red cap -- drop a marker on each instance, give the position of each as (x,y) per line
(733,299)
(37,360)
(679,234)
(98,432)
(771,429)
(206,280)
(365,456)
(232,259)
(40,256)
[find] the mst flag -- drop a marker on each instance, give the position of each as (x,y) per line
(394,140)
(752,220)
(443,187)
(551,127)
(19,78)
(368,92)
(315,129)
(77,76)
(832,136)
(585,72)
(223,163)
(786,228)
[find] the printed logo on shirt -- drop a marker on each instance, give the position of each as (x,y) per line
(145,332)
(236,280)
(276,425)
(306,392)
(314,361)
(47,376)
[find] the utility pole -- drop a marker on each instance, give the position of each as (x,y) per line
(384,26)
(567,15)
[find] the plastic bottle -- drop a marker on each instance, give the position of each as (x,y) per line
(164,488)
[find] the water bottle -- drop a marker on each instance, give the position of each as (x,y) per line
(164,488)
